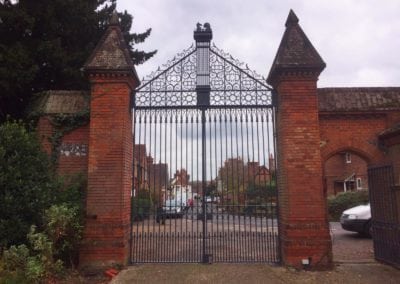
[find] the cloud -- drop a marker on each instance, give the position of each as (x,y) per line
(350,35)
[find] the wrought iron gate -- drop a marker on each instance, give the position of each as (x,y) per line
(204,187)
(385,210)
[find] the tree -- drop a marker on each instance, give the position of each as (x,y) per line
(26,183)
(44,44)
(232,176)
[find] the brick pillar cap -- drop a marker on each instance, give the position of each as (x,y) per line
(295,53)
(111,55)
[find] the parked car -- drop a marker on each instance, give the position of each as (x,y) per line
(212,199)
(171,209)
(208,215)
(357,219)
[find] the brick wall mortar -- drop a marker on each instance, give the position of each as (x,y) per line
(109,174)
(304,231)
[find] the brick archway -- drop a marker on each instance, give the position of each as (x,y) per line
(365,155)
(345,170)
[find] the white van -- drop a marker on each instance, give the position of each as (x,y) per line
(357,219)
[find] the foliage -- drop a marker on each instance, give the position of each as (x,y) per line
(31,265)
(141,205)
(64,229)
(47,250)
(26,183)
(45,43)
(260,192)
(64,123)
(211,190)
(232,174)
(28,189)
(345,200)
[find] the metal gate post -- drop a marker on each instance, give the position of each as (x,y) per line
(203,38)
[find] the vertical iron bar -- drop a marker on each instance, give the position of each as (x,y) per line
(193,250)
(133,179)
(198,217)
(242,251)
(276,211)
(203,177)
(234,178)
(216,181)
(138,184)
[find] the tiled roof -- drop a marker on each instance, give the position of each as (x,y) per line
(359,99)
(62,101)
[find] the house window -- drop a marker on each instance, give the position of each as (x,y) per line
(359,183)
(348,158)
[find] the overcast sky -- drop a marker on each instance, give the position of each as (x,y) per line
(358,39)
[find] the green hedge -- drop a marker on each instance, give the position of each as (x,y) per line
(140,208)
(345,200)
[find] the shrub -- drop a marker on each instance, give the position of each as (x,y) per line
(40,236)
(64,222)
(42,258)
(26,183)
(64,230)
(337,204)
(24,265)
(140,208)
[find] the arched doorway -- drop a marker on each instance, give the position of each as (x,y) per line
(345,170)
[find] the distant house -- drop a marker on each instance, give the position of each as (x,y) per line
(180,188)
(256,174)
(158,180)
(344,172)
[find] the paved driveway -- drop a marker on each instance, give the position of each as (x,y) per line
(353,255)
(350,247)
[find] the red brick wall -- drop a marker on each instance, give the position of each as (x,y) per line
(352,132)
(356,133)
(304,228)
(106,232)
(73,151)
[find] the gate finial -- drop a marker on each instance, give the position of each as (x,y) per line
(202,33)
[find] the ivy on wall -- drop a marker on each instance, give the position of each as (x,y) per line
(63,124)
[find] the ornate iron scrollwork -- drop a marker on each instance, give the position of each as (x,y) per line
(232,83)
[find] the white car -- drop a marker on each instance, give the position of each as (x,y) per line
(209,199)
(357,219)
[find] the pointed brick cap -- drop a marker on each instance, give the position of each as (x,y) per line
(295,52)
(111,54)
